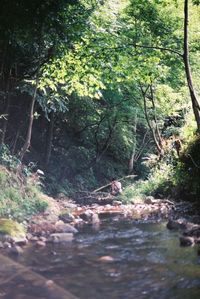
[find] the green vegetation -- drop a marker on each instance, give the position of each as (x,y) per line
(11,228)
(20,192)
(91,90)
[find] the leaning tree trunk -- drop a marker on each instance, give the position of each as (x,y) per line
(30,125)
(195,104)
(159,148)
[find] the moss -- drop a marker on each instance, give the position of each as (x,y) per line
(12,228)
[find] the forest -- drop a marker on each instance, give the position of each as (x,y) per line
(111,85)
(92,90)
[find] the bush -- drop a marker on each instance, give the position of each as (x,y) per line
(19,195)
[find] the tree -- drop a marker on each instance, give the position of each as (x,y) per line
(193,95)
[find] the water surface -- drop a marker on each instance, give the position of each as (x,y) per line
(147,263)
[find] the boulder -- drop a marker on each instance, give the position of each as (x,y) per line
(87,215)
(192,230)
(177,224)
(149,200)
(61,227)
(61,237)
(186,241)
(66,217)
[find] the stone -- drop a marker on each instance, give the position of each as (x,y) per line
(7,245)
(49,283)
(106,259)
(19,241)
(95,218)
(186,241)
(43,239)
(117,203)
(66,217)
(176,224)
(87,215)
(197,241)
(192,230)
(65,228)
(61,237)
(34,239)
(40,243)
(16,250)
(149,200)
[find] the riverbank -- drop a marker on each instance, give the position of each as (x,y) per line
(64,218)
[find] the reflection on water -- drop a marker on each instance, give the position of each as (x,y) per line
(147,263)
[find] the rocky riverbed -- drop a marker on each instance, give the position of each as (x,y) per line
(64,218)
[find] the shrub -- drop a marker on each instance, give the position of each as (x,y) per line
(19,196)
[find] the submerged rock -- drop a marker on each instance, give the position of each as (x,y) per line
(106,259)
(177,224)
(187,241)
(16,250)
(61,237)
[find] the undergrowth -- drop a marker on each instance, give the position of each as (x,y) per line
(20,190)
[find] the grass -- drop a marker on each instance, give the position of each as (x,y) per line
(159,183)
(20,197)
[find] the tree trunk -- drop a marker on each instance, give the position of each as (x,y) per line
(49,138)
(131,161)
(157,131)
(195,104)
(160,151)
(15,140)
(30,125)
(6,113)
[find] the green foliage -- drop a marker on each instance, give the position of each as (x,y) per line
(189,170)
(158,183)
(6,158)
(92,58)
(19,198)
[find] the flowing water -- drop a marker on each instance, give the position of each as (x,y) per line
(147,262)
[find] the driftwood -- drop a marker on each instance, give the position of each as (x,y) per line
(121,179)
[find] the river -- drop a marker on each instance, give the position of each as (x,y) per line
(122,260)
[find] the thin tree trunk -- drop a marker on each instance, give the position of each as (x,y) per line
(49,138)
(6,113)
(148,121)
(155,118)
(15,140)
(30,125)
(131,161)
(195,104)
